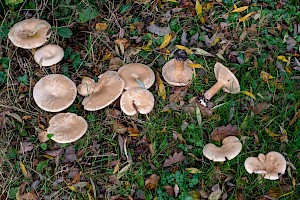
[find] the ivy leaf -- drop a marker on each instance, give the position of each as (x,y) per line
(64,32)
(87,14)
(23,79)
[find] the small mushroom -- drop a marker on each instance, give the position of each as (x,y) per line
(30,33)
(49,55)
(67,127)
(225,80)
(106,90)
(86,87)
(230,149)
(135,74)
(177,71)
(54,93)
(137,100)
(269,165)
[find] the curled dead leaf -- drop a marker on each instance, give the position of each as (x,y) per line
(223,131)
(152,182)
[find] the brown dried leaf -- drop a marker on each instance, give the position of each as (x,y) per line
(119,128)
(160,31)
(221,132)
(29,196)
(25,147)
(152,182)
(176,158)
(55,153)
(216,194)
(295,118)
(115,63)
(70,155)
(258,108)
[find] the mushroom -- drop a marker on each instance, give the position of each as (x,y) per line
(225,80)
(67,127)
(106,90)
(136,74)
(177,71)
(54,92)
(137,100)
(230,149)
(86,87)
(269,165)
(49,55)
(30,33)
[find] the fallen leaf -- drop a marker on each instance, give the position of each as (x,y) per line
(195,65)
(194,39)
(193,170)
(169,190)
(176,190)
(185,49)
(202,52)
(25,147)
(223,131)
(265,76)
(15,116)
(43,136)
(282,58)
(246,17)
(176,158)
(249,94)
(152,182)
(199,11)
(70,155)
(161,88)
(284,135)
(271,133)
(295,118)
(55,153)
(166,41)
(119,128)
(257,109)
(115,63)
(101,26)
(241,9)
(160,31)
(29,196)
(216,194)
(184,41)
(198,116)
(23,169)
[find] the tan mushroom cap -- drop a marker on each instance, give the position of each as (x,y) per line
(225,76)
(30,33)
(107,90)
(269,165)
(230,149)
(177,77)
(86,87)
(130,72)
(67,127)
(54,92)
(137,100)
(49,55)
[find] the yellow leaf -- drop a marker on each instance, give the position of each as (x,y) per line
(282,58)
(71,187)
(173,1)
(23,169)
(107,56)
(184,48)
(249,94)
(207,7)
(166,41)
(161,88)
(234,6)
(193,170)
(265,76)
(147,47)
(116,168)
(199,11)
(288,69)
(241,9)
(215,41)
(193,65)
(246,17)
(101,26)
(271,133)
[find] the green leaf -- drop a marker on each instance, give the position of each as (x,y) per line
(13,2)
(64,32)
(43,146)
(3,77)
(13,192)
(87,14)
(42,165)
(125,8)
(23,79)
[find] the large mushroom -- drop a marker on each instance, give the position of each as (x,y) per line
(86,87)
(54,92)
(177,71)
(226,80)
(137,100)
(105,91)
(49,55)
(67,127)
(30,33)
(230,149)
(135,74)
(269,165)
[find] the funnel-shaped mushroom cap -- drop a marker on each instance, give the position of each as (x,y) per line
(269,165)
(107,90)
(224,75)
(137,100)
(54,92)
(135,71)
(86,87)
(230,149)
(67,127)
(30,33)
(176,77)
(49,55)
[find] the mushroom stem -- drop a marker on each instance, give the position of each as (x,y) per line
(179,65)
(213,90)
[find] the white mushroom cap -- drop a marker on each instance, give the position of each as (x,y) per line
(86,87)
(67,127)
(269,165)
(107,90)
(30,33)
(54,92)
(137,100)
(230,149)
(49,55)
(131,72)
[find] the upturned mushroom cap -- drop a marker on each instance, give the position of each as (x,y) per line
(54,92)
(49,55)
(67,127)
(230,149)
(86,87)
(30,33)
(269,165)
(107,90)
(177,77)
(130,73)
(224,75)
(137,100)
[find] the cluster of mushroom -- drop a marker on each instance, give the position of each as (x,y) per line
(33,33)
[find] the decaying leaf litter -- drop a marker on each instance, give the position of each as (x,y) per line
(158,155)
